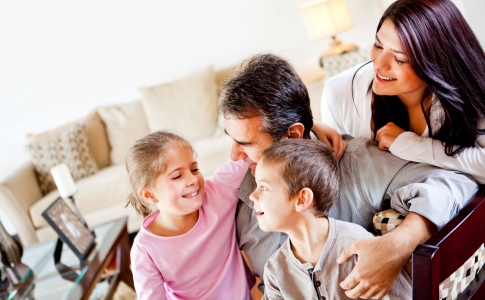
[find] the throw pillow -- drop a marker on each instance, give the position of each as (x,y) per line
(66,144)
(187,106)
(125,123)
(97,139)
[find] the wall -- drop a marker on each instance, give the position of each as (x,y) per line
(474,14)
(61,59)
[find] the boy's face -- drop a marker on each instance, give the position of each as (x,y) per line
(274,208)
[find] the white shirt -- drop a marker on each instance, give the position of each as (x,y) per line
(352,115)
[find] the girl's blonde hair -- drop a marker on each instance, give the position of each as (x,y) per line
(146,160)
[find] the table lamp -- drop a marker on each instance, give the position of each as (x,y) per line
(66,186)
(327,18)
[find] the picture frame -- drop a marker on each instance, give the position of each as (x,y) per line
(70,228)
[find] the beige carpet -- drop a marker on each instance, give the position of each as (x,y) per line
(123,292)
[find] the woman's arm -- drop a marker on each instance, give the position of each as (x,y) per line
(410,146)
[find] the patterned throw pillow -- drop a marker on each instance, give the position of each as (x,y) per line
(454,285)
(67,144)
(386,221)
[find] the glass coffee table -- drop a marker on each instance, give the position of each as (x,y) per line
(99,273)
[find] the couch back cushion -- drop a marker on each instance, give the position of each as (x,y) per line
(97,139)
(187,106)
(125,123)
(66,144)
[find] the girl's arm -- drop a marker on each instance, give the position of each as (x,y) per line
(148,280)
(230,173)
(410,146)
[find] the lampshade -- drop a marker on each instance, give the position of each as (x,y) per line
(324,18)
(63,179)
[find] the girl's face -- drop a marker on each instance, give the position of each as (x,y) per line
(393,74)
(178,191)
(274,209)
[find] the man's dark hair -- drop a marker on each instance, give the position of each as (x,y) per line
(269,87)
(306,163)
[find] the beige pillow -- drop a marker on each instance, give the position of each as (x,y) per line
(125,123)
(66,144)
(97,139)
(187,106)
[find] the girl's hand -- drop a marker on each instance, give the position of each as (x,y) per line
(330,137)
(387,135)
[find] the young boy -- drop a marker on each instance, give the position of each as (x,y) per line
(297,182)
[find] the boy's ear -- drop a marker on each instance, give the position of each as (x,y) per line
(145,193)
(296,131)
(305,200)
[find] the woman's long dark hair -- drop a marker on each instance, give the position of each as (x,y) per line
(445,54)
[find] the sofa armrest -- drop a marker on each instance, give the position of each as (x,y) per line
(456,246)
(18,193)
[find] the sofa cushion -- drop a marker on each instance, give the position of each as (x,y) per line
(212,152)
(97,139)
(125,123)
(66,144)
(187,106)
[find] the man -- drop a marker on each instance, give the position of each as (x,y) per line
(267,102)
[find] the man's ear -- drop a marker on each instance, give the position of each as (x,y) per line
(305,200)
(296,131)
(146,194)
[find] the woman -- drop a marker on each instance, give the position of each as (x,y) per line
(423,95)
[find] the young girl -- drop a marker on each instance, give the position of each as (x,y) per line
(423,95)
(186,248)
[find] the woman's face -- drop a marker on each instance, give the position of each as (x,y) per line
(393,74)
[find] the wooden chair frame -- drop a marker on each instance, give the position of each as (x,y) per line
(448,249)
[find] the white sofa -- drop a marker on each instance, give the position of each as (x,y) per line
(94,149)
(95,146)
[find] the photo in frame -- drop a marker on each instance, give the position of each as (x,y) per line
(70,228)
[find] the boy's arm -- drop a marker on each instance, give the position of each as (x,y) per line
(380,259)
(271,290)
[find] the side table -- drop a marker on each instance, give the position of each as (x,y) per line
(108,262)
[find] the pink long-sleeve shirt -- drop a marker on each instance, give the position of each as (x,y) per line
(204,263)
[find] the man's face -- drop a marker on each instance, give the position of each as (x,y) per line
(248,140)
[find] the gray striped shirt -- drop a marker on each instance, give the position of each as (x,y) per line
(368,177)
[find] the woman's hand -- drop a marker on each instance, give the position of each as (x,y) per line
(330,137)
(387,135)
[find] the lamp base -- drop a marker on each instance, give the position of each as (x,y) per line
(336,48)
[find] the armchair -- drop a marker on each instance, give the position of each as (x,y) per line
(449,264)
